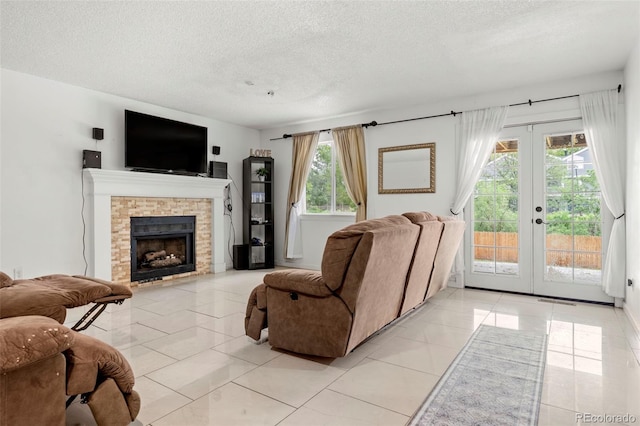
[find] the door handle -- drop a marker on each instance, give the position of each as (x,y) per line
(540,221)
(538,209)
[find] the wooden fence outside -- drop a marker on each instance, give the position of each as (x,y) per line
(559,249)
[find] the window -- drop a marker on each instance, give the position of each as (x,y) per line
(325,190)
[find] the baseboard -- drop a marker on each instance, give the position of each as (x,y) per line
(635,322)
(218,267)
(456,280)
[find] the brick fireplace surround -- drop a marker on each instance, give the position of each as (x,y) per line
(113,196)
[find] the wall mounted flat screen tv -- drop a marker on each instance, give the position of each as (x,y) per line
(158,144)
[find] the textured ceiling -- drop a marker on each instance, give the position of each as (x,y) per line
(321,59)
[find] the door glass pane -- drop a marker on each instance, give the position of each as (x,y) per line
(507,235)
(496,212)
(506,261)
(559,265)
(573,245)
(484,208)
(506,208)
(556,177)
(484,259)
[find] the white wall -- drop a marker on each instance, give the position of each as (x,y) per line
(632,101)
(442,131)
(1,97)
(45,127)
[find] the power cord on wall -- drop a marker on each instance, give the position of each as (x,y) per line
(98,135)
(244,206)
(228,208)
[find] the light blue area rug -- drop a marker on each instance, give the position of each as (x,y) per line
(495,380)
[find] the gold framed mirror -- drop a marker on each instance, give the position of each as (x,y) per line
(407,169)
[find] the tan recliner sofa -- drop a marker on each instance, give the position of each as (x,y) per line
(43,362)
(372,272)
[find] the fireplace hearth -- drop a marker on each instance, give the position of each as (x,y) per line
(162,246)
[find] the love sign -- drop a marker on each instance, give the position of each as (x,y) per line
(260,152)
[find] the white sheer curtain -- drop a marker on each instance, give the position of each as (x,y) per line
(600,118)
(479,134)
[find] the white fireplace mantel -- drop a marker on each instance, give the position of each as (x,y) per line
(101,185)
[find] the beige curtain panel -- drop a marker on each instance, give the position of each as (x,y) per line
(349,143)
(304,148)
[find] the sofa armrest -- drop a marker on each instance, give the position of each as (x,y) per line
(5,280)
(29,339)
(300,281)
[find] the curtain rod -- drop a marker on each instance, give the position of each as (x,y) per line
(286,135)
(451,113)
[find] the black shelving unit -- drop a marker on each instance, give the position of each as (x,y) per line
(258,212)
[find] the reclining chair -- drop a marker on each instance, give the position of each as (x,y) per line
(359,290)
(52,295)
(42,361)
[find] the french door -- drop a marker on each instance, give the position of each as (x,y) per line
(536,217)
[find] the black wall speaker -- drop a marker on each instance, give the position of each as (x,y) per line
(217,169)
(91,159)
(241,256)
(215,150)
(98,134)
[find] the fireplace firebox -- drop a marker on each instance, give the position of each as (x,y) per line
(162,246)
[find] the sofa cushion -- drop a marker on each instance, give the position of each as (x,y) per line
(75,290)
(417,217)
(341,245)
(89,358)
(116,289)
(302,281)
(29,339)
(422,263)
(49,296)
(452,234)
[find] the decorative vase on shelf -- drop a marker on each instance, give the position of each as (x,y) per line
(261,178)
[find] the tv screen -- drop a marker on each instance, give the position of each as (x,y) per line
(159,144)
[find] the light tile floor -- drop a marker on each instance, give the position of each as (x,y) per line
(185,341)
